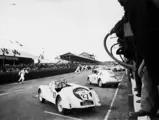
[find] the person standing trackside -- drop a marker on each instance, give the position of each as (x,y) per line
(78,69)
(22,75)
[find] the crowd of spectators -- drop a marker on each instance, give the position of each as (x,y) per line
(16,68)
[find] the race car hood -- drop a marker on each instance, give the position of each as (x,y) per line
(73,86)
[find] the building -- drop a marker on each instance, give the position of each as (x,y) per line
(11,58)
(12,53)
(87,55)
(82,58)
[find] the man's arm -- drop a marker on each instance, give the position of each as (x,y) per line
(156,3)
(140,70)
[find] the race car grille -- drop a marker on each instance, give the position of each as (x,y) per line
(86,102)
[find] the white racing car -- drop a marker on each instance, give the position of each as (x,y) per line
(67,96)
(101,77)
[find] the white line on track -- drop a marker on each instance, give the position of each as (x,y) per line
(16,91)
(67,78)
(3,94)
(62,115)
(111,105)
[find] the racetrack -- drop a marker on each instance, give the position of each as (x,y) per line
(20,102)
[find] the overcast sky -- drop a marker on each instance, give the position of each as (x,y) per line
(59,26)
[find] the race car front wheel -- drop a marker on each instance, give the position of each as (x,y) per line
(59,106)
(41,99)
(88,81)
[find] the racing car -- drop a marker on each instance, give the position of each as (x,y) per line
(101,77)
(67,96)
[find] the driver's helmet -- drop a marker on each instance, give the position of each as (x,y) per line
(51,84)
(59,85)
(56,84)
(63,80)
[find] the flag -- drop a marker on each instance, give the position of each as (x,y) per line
(15,52)
(43,50)
(18,43)
(11,41)
(5,51)
(41,56)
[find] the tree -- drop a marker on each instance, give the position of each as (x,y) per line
(4,51)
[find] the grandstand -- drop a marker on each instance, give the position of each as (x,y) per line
(10,58)
(11,54)
(82,58)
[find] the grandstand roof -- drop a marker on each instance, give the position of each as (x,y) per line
(87,55)
(22,54)
(73,57)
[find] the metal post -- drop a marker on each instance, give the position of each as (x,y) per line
(3,61)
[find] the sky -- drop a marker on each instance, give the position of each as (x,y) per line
(59,26)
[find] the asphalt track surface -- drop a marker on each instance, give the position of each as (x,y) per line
(20,101)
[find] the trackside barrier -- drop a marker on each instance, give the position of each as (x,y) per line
(33,74)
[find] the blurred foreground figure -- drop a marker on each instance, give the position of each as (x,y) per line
(143,16)
(149,95)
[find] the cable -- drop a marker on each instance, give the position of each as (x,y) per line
(112,52)
(111,49)
(122,58)
(128,66)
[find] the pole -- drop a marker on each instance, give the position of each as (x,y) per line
(14,63)
(14,60)
(3,61)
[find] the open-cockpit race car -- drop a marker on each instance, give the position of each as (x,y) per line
(67,96)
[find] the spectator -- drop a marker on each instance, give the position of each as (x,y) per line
(78,69)
(145,26)
(148,94)
(22,75)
